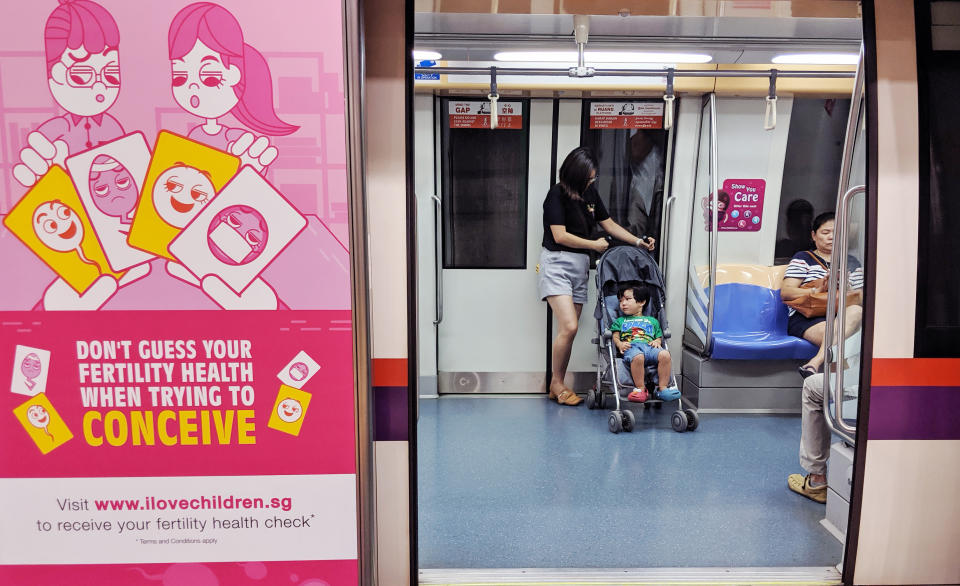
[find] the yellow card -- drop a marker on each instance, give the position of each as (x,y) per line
(183,177)
(51,221)
(289,410)
(42,422)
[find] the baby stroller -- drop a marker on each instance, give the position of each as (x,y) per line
(621,265)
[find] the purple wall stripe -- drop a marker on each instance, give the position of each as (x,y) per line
(390,414)
(914,413)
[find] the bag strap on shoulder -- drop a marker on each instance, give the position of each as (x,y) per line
(818,261)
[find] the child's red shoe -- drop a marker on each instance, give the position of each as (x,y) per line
(638,396)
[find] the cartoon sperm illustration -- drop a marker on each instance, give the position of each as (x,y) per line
(30,367)
(112,188)
(59,228)
(39,418)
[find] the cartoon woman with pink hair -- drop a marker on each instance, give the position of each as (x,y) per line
(81,43)
(214,72)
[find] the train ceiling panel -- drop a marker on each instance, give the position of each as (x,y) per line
(751,8)
(745,33)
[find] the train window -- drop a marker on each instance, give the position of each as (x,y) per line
(811,171)
(631,147)
(484,184)
(938,282)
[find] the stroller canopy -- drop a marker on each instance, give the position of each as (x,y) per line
(622,264)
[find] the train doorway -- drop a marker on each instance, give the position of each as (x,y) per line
(509,479)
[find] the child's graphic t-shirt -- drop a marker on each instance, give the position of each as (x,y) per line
(635,329)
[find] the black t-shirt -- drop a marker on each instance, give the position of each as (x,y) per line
(578,216)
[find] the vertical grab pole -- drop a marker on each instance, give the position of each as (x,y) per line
(714,220)
(437,261)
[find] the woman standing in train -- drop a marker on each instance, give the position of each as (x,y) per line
(571,211)
(811,267)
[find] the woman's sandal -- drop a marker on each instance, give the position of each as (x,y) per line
(566,397)
(807,371)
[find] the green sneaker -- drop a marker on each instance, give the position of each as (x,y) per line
(800,484)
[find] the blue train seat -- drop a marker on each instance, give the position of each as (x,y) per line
(750,323)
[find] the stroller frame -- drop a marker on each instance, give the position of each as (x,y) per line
(623,264)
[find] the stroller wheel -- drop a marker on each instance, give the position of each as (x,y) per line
(615,422)
(628,420)
(679,421)
(693,420)
(592,399)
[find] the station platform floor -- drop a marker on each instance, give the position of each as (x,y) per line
(521,482)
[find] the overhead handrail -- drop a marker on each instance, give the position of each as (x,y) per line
(593,72)
(714,221)
(668,98)
(770,117)
(835,418)
(493,96)
(437,267)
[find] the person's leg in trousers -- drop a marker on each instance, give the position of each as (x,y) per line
(814,433)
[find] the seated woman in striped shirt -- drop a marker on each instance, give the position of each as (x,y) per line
(811,265)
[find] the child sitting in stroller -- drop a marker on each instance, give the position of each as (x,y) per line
(640,339)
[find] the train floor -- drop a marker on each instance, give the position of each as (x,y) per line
(521,482)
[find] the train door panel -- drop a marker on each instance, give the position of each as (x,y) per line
(490,198)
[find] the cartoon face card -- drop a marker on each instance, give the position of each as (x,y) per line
(30,367)
(42,423)
(184,176)
(289,410)
(299,370)
(108,180)
(51,221)
(237,235)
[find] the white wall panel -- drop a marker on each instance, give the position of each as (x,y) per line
(898,212)
(908,522)
(746,151)
(393,513)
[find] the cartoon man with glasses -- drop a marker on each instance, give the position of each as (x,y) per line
(81,42)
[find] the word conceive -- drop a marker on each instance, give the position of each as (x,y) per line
(186,428)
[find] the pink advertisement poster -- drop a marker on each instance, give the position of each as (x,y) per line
(176,352)
(740,204)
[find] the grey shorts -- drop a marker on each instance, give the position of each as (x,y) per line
(563,273)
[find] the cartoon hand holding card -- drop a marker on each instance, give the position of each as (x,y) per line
(235,237)
(108,180)
(50,219)
(184,177)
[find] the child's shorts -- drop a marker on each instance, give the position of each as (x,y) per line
(650,353)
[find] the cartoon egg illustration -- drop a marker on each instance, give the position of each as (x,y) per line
(289,410)
(31,366)
(299,371)
(237,235)
(180,192)
(112,188)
